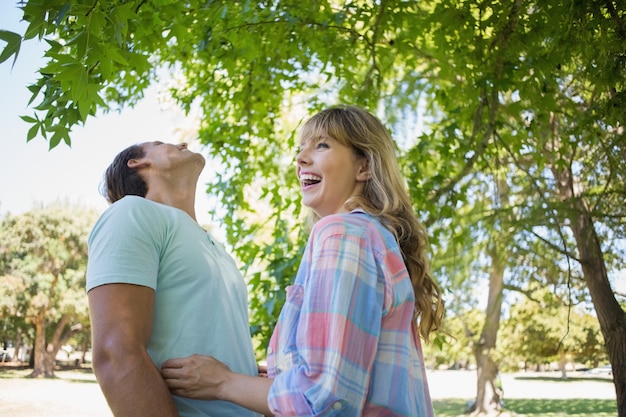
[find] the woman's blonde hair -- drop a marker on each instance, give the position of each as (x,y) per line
(384,195)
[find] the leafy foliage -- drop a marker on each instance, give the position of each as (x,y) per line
(509,116)
(540,331)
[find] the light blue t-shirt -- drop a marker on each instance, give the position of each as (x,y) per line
(200,296)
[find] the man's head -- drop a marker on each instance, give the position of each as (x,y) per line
(121,180)
(141,167)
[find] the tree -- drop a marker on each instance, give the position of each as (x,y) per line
(498,93)
(43,258)
(539,330)
(518,80)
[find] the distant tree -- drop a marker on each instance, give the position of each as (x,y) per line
(541,330)
(43,258)
(586,342)
(456,350)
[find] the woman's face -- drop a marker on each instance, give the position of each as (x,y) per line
(329,173)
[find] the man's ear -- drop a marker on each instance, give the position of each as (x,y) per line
(363,174)
(137,163)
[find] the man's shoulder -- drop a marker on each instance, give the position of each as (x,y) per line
(129,213)
(131,201)
(134,206)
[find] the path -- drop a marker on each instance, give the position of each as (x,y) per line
(76,394)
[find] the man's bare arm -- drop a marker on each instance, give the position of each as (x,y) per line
(121,320)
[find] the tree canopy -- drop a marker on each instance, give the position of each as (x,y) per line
(508,116)
(43,260)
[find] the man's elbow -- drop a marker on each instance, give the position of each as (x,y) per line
(112,358)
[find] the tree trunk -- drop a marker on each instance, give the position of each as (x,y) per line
(488,394)
(45,352)
(62,333)
(563,364)
(84,349)
(610,315)
(43,364)
(17,345)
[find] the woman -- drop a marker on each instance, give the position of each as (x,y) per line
(347,341)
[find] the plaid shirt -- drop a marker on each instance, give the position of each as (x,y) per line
(346,342)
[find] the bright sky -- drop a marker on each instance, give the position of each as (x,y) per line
(30,174)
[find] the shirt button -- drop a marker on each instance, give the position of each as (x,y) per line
(337,406)
(269,350)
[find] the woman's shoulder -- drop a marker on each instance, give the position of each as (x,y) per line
(355,226)
(355,222)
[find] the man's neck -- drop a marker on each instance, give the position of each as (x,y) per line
(183,198)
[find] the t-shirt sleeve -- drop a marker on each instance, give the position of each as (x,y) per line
(124,245)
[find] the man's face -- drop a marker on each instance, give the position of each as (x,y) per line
(167,156)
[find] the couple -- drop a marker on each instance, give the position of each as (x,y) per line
(169,307)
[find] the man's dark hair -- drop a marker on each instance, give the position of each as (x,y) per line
(120,180)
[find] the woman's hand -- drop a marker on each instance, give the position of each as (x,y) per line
(196,376)
(205,378)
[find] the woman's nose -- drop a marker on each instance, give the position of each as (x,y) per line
(301,158)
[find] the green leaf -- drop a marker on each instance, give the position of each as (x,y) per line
(32,132)
(56,137)
(114,54)
(93,92)
(84,107)
(28,119)
(37,26)
(61,14)
(14,41)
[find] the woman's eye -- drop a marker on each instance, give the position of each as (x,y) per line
(322,145)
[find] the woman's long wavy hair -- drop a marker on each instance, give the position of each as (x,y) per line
(384,195)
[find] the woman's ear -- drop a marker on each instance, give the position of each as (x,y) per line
(363,174)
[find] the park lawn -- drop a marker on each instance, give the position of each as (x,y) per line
(536,408)
(20,391)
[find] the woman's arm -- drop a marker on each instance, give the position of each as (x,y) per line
(338,325)
(205,378)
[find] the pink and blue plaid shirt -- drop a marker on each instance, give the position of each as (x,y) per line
(346,342)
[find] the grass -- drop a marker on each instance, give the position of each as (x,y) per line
(536,408)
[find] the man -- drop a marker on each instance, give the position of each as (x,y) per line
(159,286)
